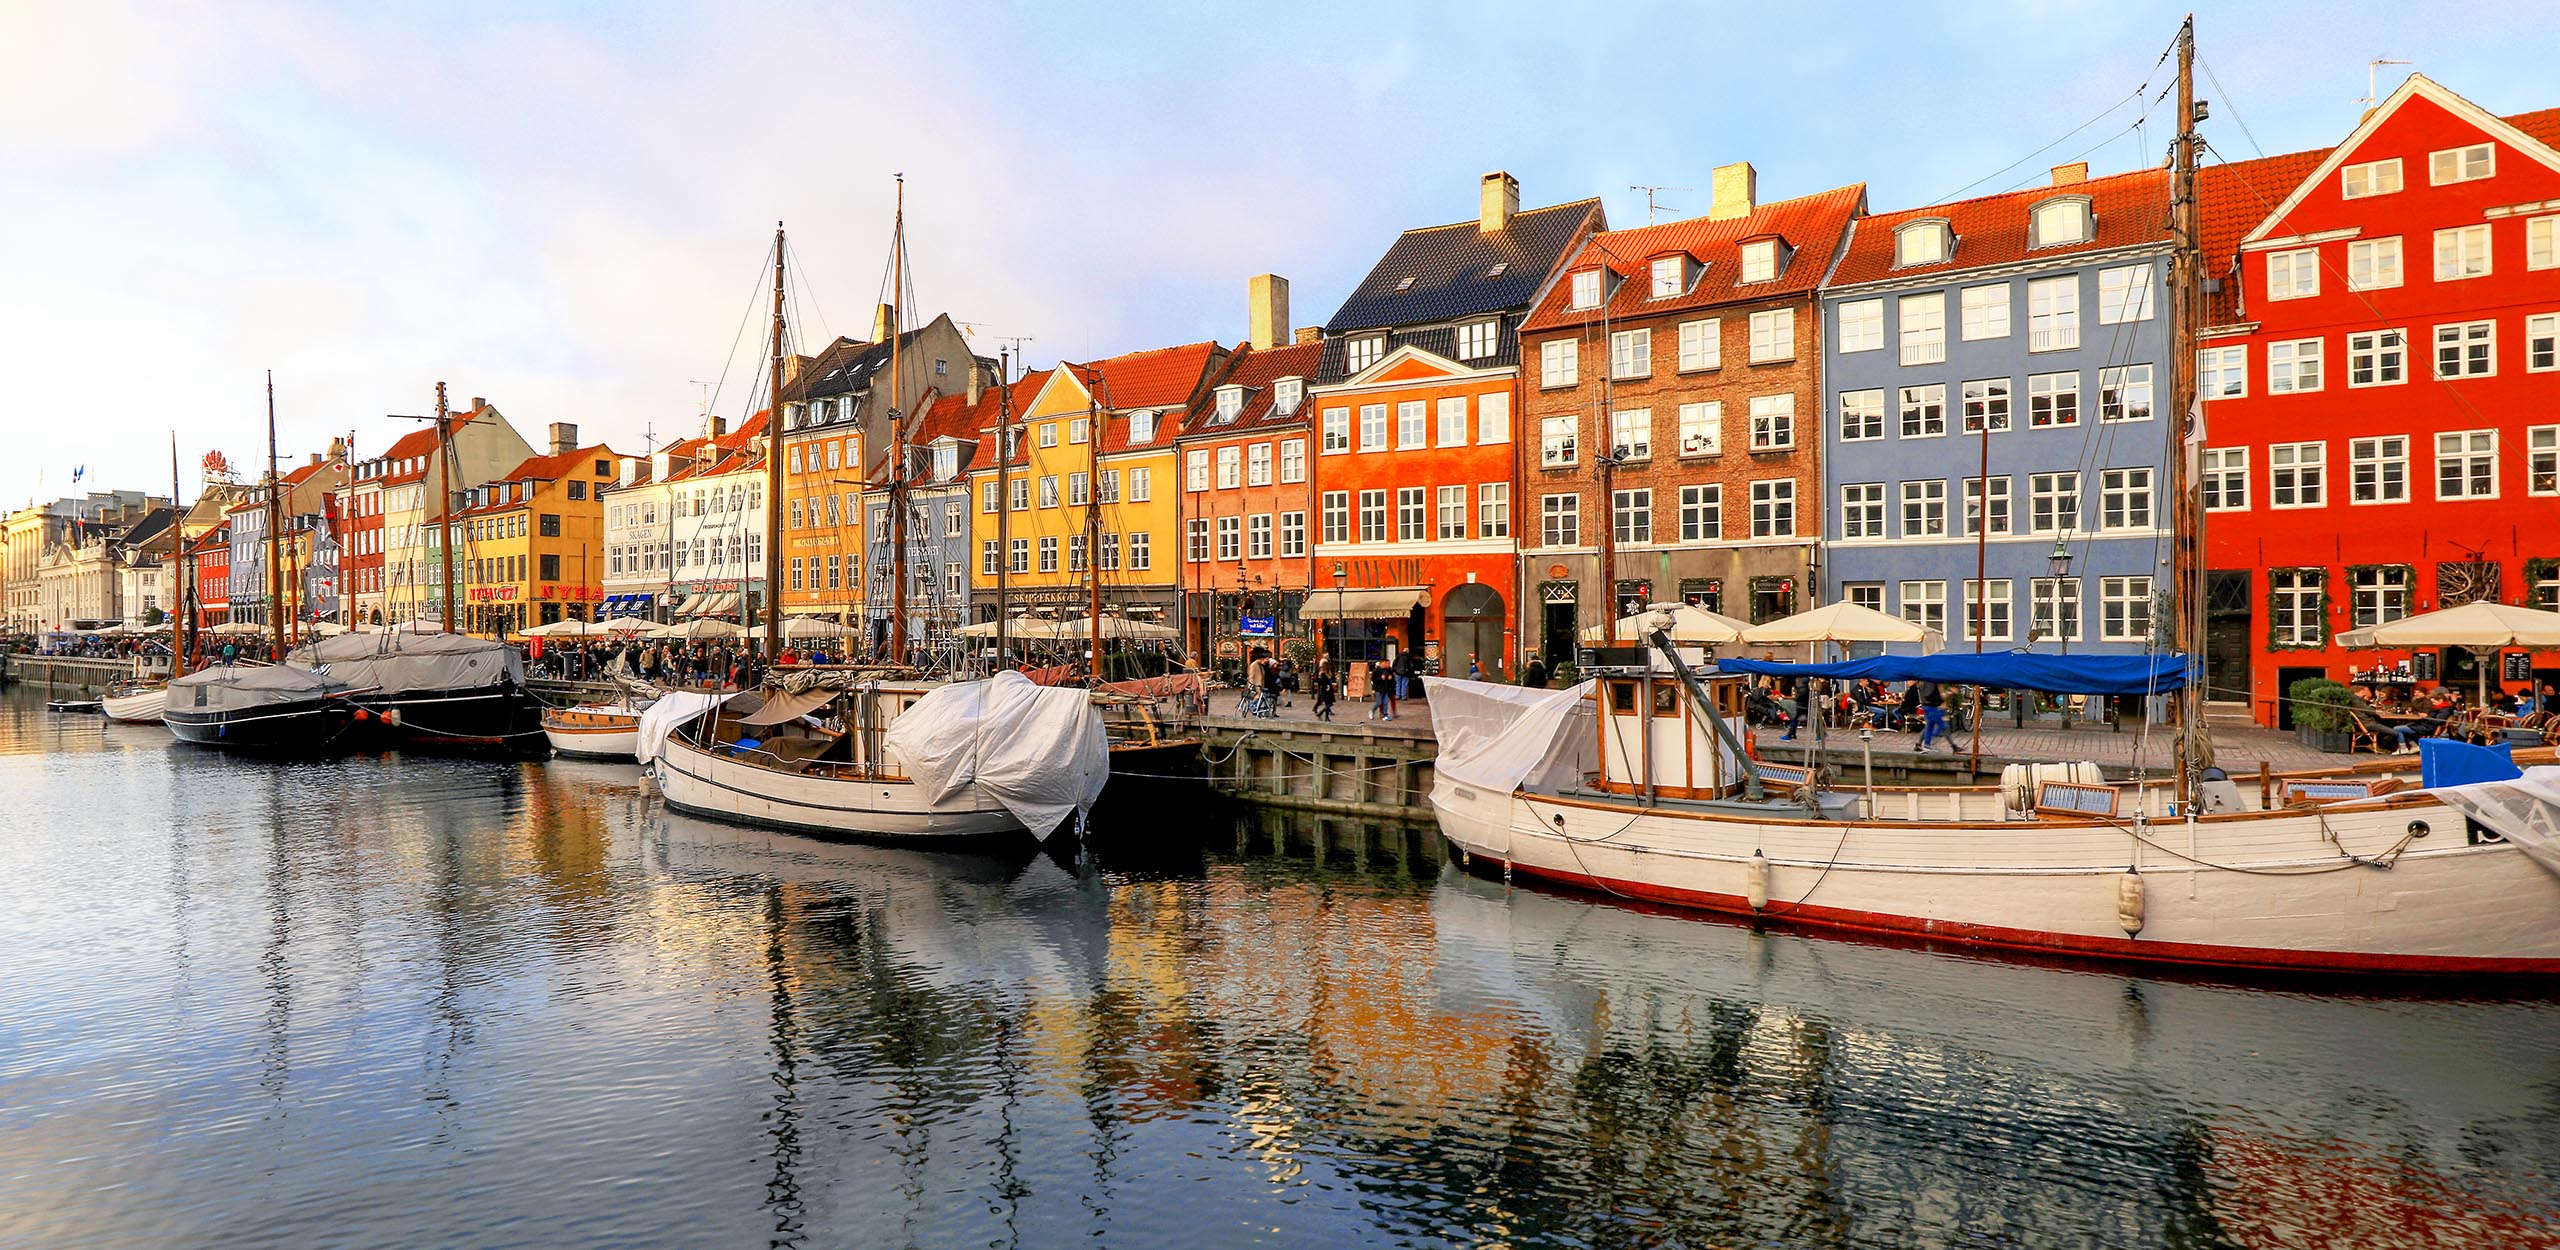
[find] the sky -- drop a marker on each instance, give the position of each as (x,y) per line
(567,208)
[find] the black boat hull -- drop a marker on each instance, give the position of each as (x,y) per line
(314,727)
(481,720)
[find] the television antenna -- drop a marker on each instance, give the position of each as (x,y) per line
(1652,208)
(2372,72)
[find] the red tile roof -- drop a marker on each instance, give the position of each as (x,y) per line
(1255,371)
(1812,225)
(2127,209)
(1166,379)
(554,466)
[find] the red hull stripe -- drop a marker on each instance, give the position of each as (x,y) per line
(2031,941)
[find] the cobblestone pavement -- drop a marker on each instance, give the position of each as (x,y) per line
(2237,748)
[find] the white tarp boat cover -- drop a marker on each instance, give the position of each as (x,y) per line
(1041,751)
(1505,738)
(401,663)
(673,708)
(2525,811)
(246,688)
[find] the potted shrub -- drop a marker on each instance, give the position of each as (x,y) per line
(2323,713)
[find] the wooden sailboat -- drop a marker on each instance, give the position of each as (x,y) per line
(141,700)
(873,751)
(1640,785)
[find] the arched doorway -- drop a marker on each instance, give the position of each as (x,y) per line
(1473,613)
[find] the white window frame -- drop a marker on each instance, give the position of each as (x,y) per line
(1921,411)
(2370,464)
(2542,242)
(2293,366)
(1998,609)
(1230,467)
(1985,312)
(2297,475)
(2542,460)
(2293,273)
(2229,366)
(2049,601)
(2477,447)
(1450,513)
(2542,342)
(2004,513)
(1773,335)
(1257,465)
(1293,460)
(2047,493)
(1560,520)
(1701,431)
(2116,386)
(2221,470)
(1773,422)
(1924,508)
(1759,261)
(1921,328)
(1701,344)
(2374,264)
(1413,424)
(2466,336)
(2053,314)
(1493,509)
(1335,431)
(2048,396)
(1701,513)
(1361,351)
(1923,603)
(1861,326)
(2124,294)
(1293,534)
(2463,253)
(1631,434)
(2462,166)
(1994,397)
(1631,515)
(1922,242)
(1452,421)
(1630,354)
(1413,514)
(2371,353)
(2118,599)
(1670,277)
(1862,510)
(2359,181)
(1559,363)
(1493,418)
(1861,415)
(1773,499)
(2127,498)
(1586,292)
(1375,429)
(1559,442)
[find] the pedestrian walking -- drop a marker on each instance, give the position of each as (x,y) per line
(1382,691)
(1933,716)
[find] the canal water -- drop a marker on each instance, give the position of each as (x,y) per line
(431,1003)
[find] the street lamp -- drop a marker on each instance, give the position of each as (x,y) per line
(1340,570)
(2060,562)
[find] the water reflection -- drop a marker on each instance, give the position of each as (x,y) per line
(409,1002)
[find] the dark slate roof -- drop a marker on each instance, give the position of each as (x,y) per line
(845,367)
(1441,341)
(1448,266)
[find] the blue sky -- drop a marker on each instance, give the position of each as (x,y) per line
(564,207)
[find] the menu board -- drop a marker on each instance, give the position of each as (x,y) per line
(2422,666)
(2515,665)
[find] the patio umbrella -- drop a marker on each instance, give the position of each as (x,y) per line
(1689,623)
(1116,627)
(566,627)
(1843,622)
(698,628)
(814,627)
(2481,628)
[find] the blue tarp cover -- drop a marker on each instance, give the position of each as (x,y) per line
(2003,670)
(2451,762)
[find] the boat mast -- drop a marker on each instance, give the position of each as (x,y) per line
(1099,404)
(177,567)
(2186,580)
(773,469)
(444,502)
(897,433)
(1004,500)
(275,513)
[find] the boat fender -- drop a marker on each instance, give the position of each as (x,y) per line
(391,717)
(2129,902)
(1755,882)
(1751,745)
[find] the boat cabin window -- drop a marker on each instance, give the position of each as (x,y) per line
(1666,699)
(1622,696)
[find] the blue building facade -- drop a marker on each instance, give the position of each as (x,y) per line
(2020,340)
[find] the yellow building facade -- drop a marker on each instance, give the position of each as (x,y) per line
(530,545)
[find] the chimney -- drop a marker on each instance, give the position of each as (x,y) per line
(315,460)
(977,382)
(478,403)
(1737,190)
(719,427)
(1497,201)
(564,437)
(1266,300)
(884,323)
(1310,334)
(2065,175)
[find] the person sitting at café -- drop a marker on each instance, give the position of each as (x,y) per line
(2404,738)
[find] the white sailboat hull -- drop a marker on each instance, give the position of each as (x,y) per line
(142,707)
(2253,891)
(704,784)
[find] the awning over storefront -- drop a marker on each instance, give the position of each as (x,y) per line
(1365,605)
(717,604)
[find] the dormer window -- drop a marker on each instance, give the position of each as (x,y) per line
(1500,267)
(1920,242)
(1285,394)
(1670,277)
(946,462)
(1405,284)
(1760,260)
(1478,339)
(1586,289)
(1142,427)
(1230,403)
(2059,222)
(817,411)
(1362,350)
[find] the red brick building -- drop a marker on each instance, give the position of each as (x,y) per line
(2380,376)
(1415,474)
(1674,412)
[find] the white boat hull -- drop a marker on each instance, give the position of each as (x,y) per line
(142,707)
(595,744)
(695,781)
(2258,891)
